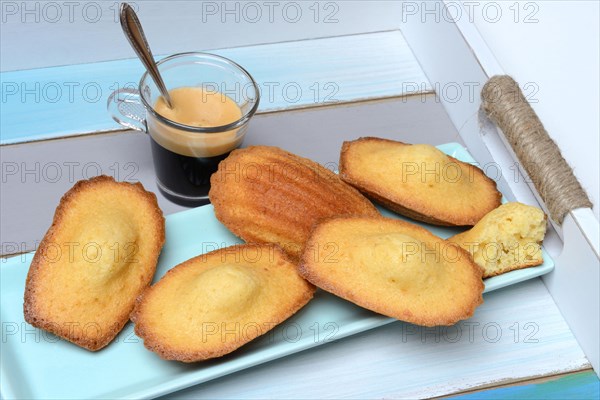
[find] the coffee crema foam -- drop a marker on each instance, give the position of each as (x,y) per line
(196,107)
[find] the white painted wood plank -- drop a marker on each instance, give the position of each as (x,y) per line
(71,100)
(50,33)
(574,286)
(404,361)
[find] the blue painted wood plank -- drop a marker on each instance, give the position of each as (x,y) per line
(583,385)
(70,100)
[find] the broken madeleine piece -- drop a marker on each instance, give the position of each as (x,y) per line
(508,238)
(99,254)
(394,268)
(265,194)
(213,304)
(418,181)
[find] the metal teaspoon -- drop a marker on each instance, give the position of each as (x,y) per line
(135,34)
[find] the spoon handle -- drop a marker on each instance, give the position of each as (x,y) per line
(135,34)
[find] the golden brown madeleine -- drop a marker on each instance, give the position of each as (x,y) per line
(394,268)
(418,181)
(508,238)
(99,254)
(212,304)
(267,195)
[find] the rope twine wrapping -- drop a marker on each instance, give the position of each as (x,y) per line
(504,103)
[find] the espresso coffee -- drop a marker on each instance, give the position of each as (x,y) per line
(184,160)
(212,100)
(181,177)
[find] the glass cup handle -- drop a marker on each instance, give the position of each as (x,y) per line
(125,107)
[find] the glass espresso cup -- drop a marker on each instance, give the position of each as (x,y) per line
(186,156)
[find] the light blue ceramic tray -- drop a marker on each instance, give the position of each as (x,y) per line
(36,364)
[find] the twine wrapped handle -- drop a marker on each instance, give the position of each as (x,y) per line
(504,103)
